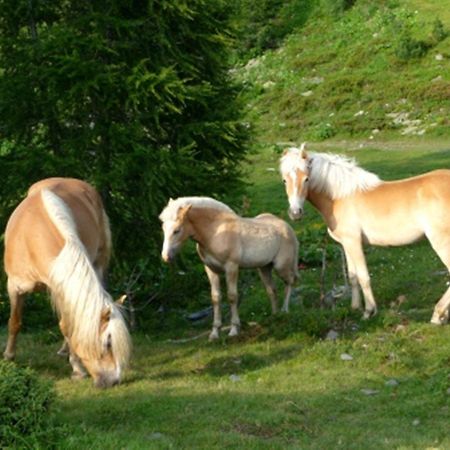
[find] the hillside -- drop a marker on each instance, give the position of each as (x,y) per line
(376,71)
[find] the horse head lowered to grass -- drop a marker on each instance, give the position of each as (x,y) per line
(59,237)
(227,242)
(358,207)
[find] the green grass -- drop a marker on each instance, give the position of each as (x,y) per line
(350,76)
(280,384)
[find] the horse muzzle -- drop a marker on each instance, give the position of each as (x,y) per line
(295,213)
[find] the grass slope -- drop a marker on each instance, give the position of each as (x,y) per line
(375,72)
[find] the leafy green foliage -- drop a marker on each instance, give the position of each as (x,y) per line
(26,403)
(134,97)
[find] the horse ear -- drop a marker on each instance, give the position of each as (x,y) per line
(285,152)
(303,150)
(183,211)
(170,200)
(121,300)
(106,314)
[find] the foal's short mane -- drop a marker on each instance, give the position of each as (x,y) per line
(170,211)
(334,175)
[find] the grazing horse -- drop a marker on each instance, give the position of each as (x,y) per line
(226,242)
(59,238)
(360,208)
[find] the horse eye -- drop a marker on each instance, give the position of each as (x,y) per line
(108,342)
(284,181)
(306,179)
(176,231)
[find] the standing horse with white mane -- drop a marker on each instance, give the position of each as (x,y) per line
(226,242)
(360,208)
(59,237)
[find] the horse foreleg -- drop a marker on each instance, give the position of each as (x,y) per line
(214,281)
(231,273)
(266,277)
(65,348)
(356,297)
(15,320)
(355,254)
(78,371)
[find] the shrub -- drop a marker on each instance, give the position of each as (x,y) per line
(25,408)
(439,33)
(410,48)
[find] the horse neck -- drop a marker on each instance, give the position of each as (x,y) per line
(324,204)
(204,223)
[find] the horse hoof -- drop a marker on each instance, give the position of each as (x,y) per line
(439,319)
(369,313)
(214,335)
(9,356)
(233,332)
(78,376)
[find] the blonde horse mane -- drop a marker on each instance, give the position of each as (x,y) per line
(77,293)
(334,175)
(170,211)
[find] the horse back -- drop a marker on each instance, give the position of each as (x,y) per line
(32,241)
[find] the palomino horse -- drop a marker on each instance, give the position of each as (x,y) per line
(226,242)
(360,208)
(59,237)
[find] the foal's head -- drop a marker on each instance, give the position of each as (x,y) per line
(176,229)
(295,168)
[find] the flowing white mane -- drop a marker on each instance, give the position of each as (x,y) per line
(335,175)
(170,211)
(77,293)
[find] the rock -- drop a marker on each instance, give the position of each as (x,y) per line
(416,422)
(439,57)
(346,357)
(369,391)
(307,93)
(235,378)
(448,391)
(332,335)
(391,383)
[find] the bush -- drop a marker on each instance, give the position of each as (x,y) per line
(25,408)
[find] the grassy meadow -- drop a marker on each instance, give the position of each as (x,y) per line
(281,384)
(344,86)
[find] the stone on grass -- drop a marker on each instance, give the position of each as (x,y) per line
(369,391)
(346,357)
(392,382)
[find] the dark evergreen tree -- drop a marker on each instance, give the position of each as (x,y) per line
(133,96)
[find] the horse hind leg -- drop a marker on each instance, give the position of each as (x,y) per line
(266,277)
(289,278)
(441,245)
(16,299)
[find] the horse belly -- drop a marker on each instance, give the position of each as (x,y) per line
(393,233)
(259,253)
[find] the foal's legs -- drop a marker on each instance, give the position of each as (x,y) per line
(15,320)
(354,252)
(231,273)
(214,281)
(266,277)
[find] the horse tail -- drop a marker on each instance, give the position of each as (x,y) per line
(77,293)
